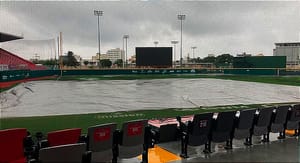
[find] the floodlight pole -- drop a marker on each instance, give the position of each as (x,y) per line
(174,43)
(193,48)
(181,18)
(98,13)
(123,55)
(126,38)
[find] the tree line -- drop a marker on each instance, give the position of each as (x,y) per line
(224,60)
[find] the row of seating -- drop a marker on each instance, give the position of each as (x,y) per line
(105,143)
(230,125)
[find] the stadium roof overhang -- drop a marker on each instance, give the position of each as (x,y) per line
(8,37)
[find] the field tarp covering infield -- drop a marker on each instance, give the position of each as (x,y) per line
(40,98)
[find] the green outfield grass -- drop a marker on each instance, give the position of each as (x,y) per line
(284,80)
(50,123)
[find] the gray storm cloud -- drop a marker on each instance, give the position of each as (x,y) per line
(214,27)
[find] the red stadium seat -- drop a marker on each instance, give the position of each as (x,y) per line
(62,137)
(11,145)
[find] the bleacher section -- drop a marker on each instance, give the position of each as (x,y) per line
(15,62)
(106,143)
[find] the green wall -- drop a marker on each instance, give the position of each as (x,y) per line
(260,62)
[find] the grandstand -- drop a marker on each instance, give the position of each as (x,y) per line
(10,61)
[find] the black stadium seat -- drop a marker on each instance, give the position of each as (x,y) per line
(130,140)
(100,142)
(243,125)
(72,153)
(166,133)
(196,133)
(279,121)
(262,123)
(222,129)
(294,119)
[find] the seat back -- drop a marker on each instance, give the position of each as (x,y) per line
(244,124)
(168,132)
(293,118)
(100,137)
(199,129)
(280,119)
(132,138)
(62,153)
(11,144)
(223,126)
(264,117)
(62,137)
(295,113)
(133,132)
(263,121)
(281,114)
(246,119)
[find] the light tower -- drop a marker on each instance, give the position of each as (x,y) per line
(98,13)
(174,42)
(193,48)
(126,37)
(181,18)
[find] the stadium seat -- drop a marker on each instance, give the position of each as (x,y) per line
(62,137)
(196,133)
(11,145)
(262,123)
(294,119)
(243,125)
(222,129)
(279,120)
(75,153)
(100,142)
(166,133)
(129,142)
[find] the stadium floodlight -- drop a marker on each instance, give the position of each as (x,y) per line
(181,18)
(174,42)
(193,48)
(126,38)
(98,13)
(155,43)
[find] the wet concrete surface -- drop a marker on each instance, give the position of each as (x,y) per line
(286,150)
(41,98)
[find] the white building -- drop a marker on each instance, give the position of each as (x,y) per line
(114,54)
(290,50)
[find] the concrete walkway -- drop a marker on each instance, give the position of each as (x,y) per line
(286,150)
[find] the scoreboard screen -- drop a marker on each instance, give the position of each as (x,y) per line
(154,56)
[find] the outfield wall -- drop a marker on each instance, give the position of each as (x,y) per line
(13,77)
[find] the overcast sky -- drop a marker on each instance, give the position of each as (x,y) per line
(213,27)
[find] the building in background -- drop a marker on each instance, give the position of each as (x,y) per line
(115,54)
(290,50)
(112,55)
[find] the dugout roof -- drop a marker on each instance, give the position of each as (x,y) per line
(8,37)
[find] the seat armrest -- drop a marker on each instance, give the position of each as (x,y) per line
(44,144)
(82,139)
(87,157)
(32,161)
